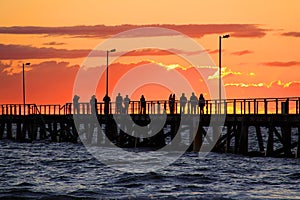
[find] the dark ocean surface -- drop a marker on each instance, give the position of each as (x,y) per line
(68,171)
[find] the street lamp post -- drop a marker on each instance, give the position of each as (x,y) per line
(107,98)
(220,69)
(24,94)
(107,52)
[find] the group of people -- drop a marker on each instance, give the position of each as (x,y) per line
(93,103)
(119,104)
(122,105)
(194,102)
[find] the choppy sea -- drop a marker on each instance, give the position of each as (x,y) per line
(68,171)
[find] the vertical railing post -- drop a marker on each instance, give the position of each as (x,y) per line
(266,106)
(276,101)
(287,106)
(249,106)
(298,105)
(234,106)
(216,106)
(254,107)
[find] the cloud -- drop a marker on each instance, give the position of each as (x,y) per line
(16,52)
(266,85)
(240,53)
(160,52)
(291,34)
(213,51)
(224,73)
(245,84)
(192,30)
(281,64)
(54,43)
(11,51)
(170,66)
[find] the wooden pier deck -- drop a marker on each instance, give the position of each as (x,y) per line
(272,124)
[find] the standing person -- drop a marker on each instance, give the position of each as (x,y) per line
(119,101)
(76,104)
(126,103)
(93,102)
(183,101)
(201,104)
(174,103)
(106,100)
(171,103)
(143,105)
(194,102)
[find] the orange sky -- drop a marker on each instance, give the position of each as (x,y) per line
(260,59)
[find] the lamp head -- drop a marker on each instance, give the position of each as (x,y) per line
(112,50)
(27,63)
(226,36)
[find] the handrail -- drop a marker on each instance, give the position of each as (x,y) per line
(281,105)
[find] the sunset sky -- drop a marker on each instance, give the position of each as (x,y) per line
(260,59)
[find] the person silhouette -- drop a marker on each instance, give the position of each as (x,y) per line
(143,105)
(126,103)
(93,102)
(119,101)
(183,101)
(106,100)
(194,102)
(76,104)
(171,103)
(201,104)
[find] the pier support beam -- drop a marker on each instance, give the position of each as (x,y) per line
(259,139)
(198,139)
(298,144)
(54,133)
(270,143)
(236,129)
(2,124)
(9,130)
(244,139)
(19,132)
(228,138)
(286,140)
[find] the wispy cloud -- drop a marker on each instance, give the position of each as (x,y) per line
(291,34)
(10,52)
(245,84)
(192,30)
(15,52)
(266,85)
(240,53)
(224,73)
(170,66)
(281,64)
(53,43)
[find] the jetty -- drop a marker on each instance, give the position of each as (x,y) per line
(272,124)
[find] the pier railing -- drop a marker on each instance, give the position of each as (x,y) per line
(289,105)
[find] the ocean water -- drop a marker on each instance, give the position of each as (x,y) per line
(68,171)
